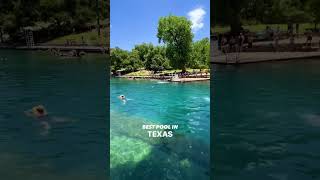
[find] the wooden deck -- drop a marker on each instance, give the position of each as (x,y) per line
(88,49)
(192,78)
(182,80)
(145,77)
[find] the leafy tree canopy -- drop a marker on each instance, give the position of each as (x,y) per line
(175,32)
(234,13)
(59,16)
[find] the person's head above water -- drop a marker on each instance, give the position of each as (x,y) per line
(39,111)
(122,97)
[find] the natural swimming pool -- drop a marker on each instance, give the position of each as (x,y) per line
(72,89)
(266,121)
(136,156)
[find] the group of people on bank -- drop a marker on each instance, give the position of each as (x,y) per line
(228,43)
(239,42)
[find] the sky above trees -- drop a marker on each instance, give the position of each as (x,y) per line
(135,22)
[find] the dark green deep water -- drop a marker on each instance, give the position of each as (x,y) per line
(73,90)
(266,121)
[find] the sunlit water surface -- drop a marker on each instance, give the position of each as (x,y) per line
(136,156)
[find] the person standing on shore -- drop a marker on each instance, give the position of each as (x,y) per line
(224,45)
(219,42)
(276,39)
(292,43)
(309,39)
(232,43)
(250,41)
(241,39)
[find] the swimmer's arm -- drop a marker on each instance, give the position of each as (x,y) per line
(61,120)
(28,112)
(46,127)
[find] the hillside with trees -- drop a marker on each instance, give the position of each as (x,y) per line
(50,19)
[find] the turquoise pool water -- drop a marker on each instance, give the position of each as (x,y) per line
(266,121)
(73,91)
(136,156)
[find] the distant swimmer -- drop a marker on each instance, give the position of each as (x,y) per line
(40,113)
(123,98)
(37,111)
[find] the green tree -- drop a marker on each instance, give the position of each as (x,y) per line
(117,58)
(234,13)
(287,11)
(60,17)
(228,12)
(156,59)
(84,15)
(143,49)
(313,7)
(133,62)
(48,8)
(176,33)
(200,56)
(159,63)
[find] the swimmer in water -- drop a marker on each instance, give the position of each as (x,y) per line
(38,111)
(123,98)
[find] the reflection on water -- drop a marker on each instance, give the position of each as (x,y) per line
(266,121)
(73,92)
(136,156)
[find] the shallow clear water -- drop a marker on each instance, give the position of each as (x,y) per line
(267,121)
(136,156)
(73,91)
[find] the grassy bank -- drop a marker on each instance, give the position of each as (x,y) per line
(90,38)
(261,27)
